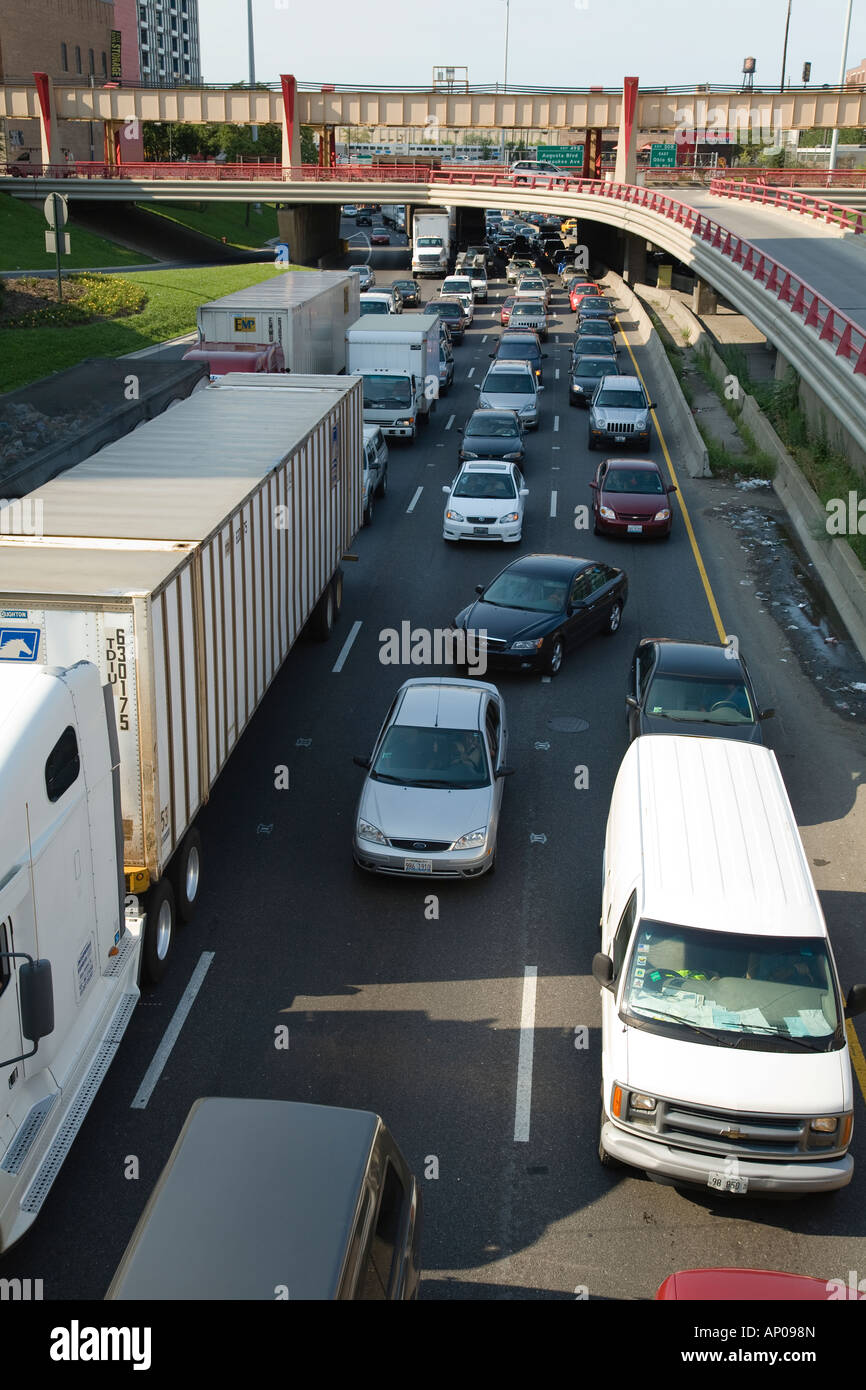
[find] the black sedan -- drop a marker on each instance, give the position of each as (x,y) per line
(410,291)
(586,372)
(540,606)
(493,434)
(521,345)
(692,688)
(596,306)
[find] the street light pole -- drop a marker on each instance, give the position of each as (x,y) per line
(505,73)
(251,45)
(785,47)
(834,143)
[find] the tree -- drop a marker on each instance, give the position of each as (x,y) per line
(309,148)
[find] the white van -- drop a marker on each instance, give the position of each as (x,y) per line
(724,1055)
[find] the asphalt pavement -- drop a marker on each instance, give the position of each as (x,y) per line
(412,1005)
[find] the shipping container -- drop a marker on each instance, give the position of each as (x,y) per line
(306,312)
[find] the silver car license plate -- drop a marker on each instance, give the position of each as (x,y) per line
(479,531)
(635,530)
(418,866)
(724,1182)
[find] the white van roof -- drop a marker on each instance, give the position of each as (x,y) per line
(718,840)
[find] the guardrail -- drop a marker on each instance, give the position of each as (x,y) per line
(790,201)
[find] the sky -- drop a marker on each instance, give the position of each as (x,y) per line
(557,43)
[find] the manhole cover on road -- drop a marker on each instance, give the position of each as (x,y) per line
(568,724)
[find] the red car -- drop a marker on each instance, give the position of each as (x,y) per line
(631,498)
(579,292)
(505,311)
(380,238)
(752,1285)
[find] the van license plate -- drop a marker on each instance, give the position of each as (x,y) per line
(418,866)
(635,530)
(724,1182)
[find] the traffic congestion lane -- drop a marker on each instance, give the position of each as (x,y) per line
(417,1016)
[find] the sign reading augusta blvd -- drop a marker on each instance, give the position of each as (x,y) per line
(663,156)
(561,155)
(116,58)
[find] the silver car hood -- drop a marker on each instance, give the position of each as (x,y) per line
(425,813)
(508,400)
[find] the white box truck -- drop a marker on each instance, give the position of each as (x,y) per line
(137,639)
(398,357)
(432,239)
(301,315)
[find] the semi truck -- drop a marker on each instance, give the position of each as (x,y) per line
(138,637)
(398,357)
(303,314)
(432,241)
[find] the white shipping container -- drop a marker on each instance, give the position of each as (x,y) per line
(183,561)
(306,312)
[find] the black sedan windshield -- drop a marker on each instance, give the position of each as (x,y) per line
(493,426)
(699,699)
(592,367)
(535,593)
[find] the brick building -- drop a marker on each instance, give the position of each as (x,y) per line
(857,75)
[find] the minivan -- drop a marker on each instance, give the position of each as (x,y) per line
(725,1059)
(271,1199)
(511,386)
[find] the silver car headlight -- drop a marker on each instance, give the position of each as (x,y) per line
(474,839)
(453,516)
(527,409)
(366,831)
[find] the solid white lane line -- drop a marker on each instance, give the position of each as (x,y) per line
(451,420)
(555,423)
(411,506)
(346,648)
(553,503)
(172,1032)
(523,1105)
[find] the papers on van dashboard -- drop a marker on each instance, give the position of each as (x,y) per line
(697,1009)
(809,1023)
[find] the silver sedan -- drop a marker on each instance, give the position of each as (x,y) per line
(430,803)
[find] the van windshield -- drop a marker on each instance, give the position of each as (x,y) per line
(767,993)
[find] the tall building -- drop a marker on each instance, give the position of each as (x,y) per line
(168,42)
(857,75)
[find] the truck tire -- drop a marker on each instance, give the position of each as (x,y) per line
(158,931)
(337,583)
(186,875)
(324,615)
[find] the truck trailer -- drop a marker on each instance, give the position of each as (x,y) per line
(432,241)
(398,357)
(138,637)
(303,313)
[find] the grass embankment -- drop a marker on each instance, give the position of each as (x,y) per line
(221,221)
(22,242)
(168,301)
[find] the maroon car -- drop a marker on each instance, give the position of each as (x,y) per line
(631,498)
(379,238)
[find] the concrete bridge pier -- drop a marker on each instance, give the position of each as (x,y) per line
(634,259)
(311,231)
(705,300)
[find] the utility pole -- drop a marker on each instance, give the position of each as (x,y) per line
(834,143)
(251,45)
(785,47)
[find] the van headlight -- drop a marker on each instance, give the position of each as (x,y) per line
(638,1101)
(474,839)
(366,831)
(827,1124)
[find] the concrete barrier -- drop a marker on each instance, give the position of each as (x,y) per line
(834,561)
(689,447)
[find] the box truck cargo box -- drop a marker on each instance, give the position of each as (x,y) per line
(305,312)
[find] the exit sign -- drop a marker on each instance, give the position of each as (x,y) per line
(663,157)
(564,156)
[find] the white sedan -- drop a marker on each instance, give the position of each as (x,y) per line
(485,503)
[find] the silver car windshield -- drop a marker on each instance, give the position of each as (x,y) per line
(621,400)
(697,699)
(423,757)
(509,384)
(732,986)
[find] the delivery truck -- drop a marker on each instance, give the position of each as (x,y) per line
(398,357)
(432,241)
(138,637)
(302,313)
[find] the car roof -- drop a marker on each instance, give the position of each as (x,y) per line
(717,837)
(500,368)
(486,466)
(631,463)
(446,703)
(685,658)
(593,357)
(549,566)
(208,1232)
(626,383)
(489,412)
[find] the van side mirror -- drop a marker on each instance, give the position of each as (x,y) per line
(602,969)
(856,1001)
(361,762)
(36,995)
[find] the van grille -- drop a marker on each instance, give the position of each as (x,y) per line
(725,1132)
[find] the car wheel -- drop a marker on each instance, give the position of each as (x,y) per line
(596,529)
(614,619)
(554,661)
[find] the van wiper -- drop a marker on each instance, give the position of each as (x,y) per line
(755,1029)
(686,1023)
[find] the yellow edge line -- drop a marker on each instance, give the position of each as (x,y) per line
(858,1058)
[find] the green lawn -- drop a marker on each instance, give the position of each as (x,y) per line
(22,242)
(27,353)
(218,220)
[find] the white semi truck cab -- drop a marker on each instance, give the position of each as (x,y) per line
(70,957)
(431,242)
(398,358)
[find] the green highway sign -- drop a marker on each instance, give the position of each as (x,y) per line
(565,156)
(663,157)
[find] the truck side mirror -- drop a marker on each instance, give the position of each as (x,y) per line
(602,970)
(36,995)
